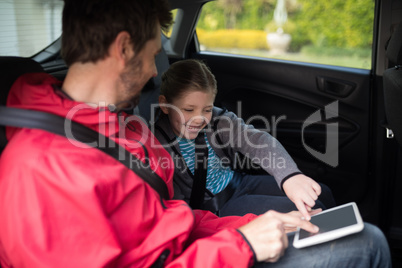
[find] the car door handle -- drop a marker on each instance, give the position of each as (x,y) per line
(333,86)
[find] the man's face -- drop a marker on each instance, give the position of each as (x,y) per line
(140,68)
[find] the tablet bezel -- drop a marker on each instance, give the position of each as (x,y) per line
(334,234)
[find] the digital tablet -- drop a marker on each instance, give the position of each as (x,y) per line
(333,223)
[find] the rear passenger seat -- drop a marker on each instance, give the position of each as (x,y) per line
(10,69)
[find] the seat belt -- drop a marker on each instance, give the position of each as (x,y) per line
(200,172)
(217,201)
(24,118)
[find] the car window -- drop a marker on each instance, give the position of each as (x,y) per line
(336,32)
(27,27)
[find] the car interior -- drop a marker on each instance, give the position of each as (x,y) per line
(368,115)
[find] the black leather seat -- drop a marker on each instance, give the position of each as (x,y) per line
(392,82)
(10,69)
(150,93)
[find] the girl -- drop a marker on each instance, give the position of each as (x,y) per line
(190,124)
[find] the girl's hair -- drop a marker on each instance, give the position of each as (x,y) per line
(187,76)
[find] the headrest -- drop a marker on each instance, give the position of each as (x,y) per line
(394,48)
(150,93)
(162,64)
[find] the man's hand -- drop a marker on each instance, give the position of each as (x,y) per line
(291,228)
(303,191)
(267,234)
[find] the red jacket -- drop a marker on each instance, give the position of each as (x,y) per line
(63,204)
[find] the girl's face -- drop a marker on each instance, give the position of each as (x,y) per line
(190,113)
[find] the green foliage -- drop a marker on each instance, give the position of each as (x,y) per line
(212,17)
(250,14)
(337,23)
(329,23)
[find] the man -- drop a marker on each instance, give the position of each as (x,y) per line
(66,205)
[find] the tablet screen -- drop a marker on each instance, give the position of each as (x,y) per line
(331,221)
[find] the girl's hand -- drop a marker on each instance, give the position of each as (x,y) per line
(303,191)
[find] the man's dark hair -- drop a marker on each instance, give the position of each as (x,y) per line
(90,26)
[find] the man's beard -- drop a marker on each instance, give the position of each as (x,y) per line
(131,85)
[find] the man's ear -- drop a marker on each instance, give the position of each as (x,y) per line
(163,104)
(122,47)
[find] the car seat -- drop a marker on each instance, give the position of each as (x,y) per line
(150,93)
(392,82)
(10,69)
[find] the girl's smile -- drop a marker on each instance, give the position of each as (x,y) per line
(194,128)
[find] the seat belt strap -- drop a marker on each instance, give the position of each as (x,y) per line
(200,172)
(24,118)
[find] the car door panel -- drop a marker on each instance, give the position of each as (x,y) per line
(286,94)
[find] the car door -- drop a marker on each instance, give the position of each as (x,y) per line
(327,114)
(306,107)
